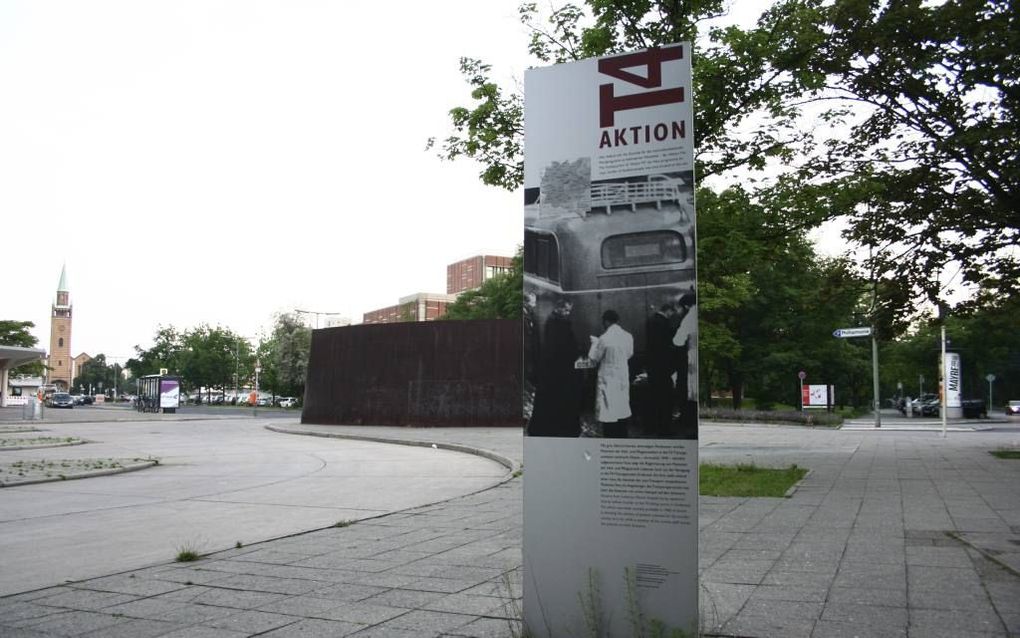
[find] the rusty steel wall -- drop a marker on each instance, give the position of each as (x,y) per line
(436,373)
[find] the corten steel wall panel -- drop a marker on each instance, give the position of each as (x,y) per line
(442,373)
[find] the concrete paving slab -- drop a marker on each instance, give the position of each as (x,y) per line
(219,482)
(874,512)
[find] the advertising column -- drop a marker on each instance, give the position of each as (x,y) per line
(611,363)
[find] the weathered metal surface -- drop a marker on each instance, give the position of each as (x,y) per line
(436,373)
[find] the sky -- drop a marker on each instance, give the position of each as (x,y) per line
(218,162)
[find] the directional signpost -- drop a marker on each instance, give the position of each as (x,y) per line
(849,333)
(990,378)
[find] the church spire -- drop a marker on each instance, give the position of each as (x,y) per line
(62,286)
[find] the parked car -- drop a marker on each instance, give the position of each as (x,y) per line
(915,405)
(974,409)
(61,400)
(930,407)
(265,402)
(89,399)
(79,399)
(1013,408)
(288,402)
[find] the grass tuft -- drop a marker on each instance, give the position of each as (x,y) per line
(187,553)
(747,480)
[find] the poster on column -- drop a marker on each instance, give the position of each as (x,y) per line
(952,377)
(611,356)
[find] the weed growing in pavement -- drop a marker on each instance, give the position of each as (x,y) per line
(188,552)
(10,442)
(344,523)
(238,545)
(187,556)
(594,616)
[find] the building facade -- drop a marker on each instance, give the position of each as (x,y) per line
(60,363)
(78,364)
(422,306)
(461,276)
(472,272)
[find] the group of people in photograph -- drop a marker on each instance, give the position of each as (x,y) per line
(660,374)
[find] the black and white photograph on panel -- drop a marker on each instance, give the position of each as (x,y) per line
(610,313)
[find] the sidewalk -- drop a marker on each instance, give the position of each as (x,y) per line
(863,548)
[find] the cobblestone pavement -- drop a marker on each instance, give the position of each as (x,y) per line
(890,534)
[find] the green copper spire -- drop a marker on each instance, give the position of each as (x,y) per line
(62,286)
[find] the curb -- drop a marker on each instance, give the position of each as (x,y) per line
(793,488)
(42,446)
(454,447)
(82,475)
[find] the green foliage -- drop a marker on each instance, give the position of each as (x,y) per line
(785,417)
(187,555)
(284,356)
(897,118)
(500,297)
(928,167)
(16,333)
(982,330)
(769,304)
(491,132)
(164,353)
(590,600)
(1005,454)
(210,356)
(747,480)
(99,376)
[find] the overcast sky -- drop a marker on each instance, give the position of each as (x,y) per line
(198,161)
(218,162)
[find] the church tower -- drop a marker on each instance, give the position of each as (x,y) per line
(60,336)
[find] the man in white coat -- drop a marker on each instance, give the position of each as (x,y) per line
(612,392)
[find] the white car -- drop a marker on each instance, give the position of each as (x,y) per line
(288,402)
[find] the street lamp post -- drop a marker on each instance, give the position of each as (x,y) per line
(316,313)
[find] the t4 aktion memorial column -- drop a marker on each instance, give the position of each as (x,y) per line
(610,329)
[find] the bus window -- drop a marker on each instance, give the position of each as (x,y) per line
(644,249)
(541,256)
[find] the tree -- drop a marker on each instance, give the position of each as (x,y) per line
(982,330)
(284,356)
(768,305)
(926,163)
(500,297)
(731,85)
(208,357)
(16,333)
(98,376)
(898,117)
(164,353)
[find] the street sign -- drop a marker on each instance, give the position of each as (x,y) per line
(802,375)
(843,333)
(990,377)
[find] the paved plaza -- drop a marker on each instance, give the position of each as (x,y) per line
(892,533)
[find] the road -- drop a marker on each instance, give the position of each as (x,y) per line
(219,482)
